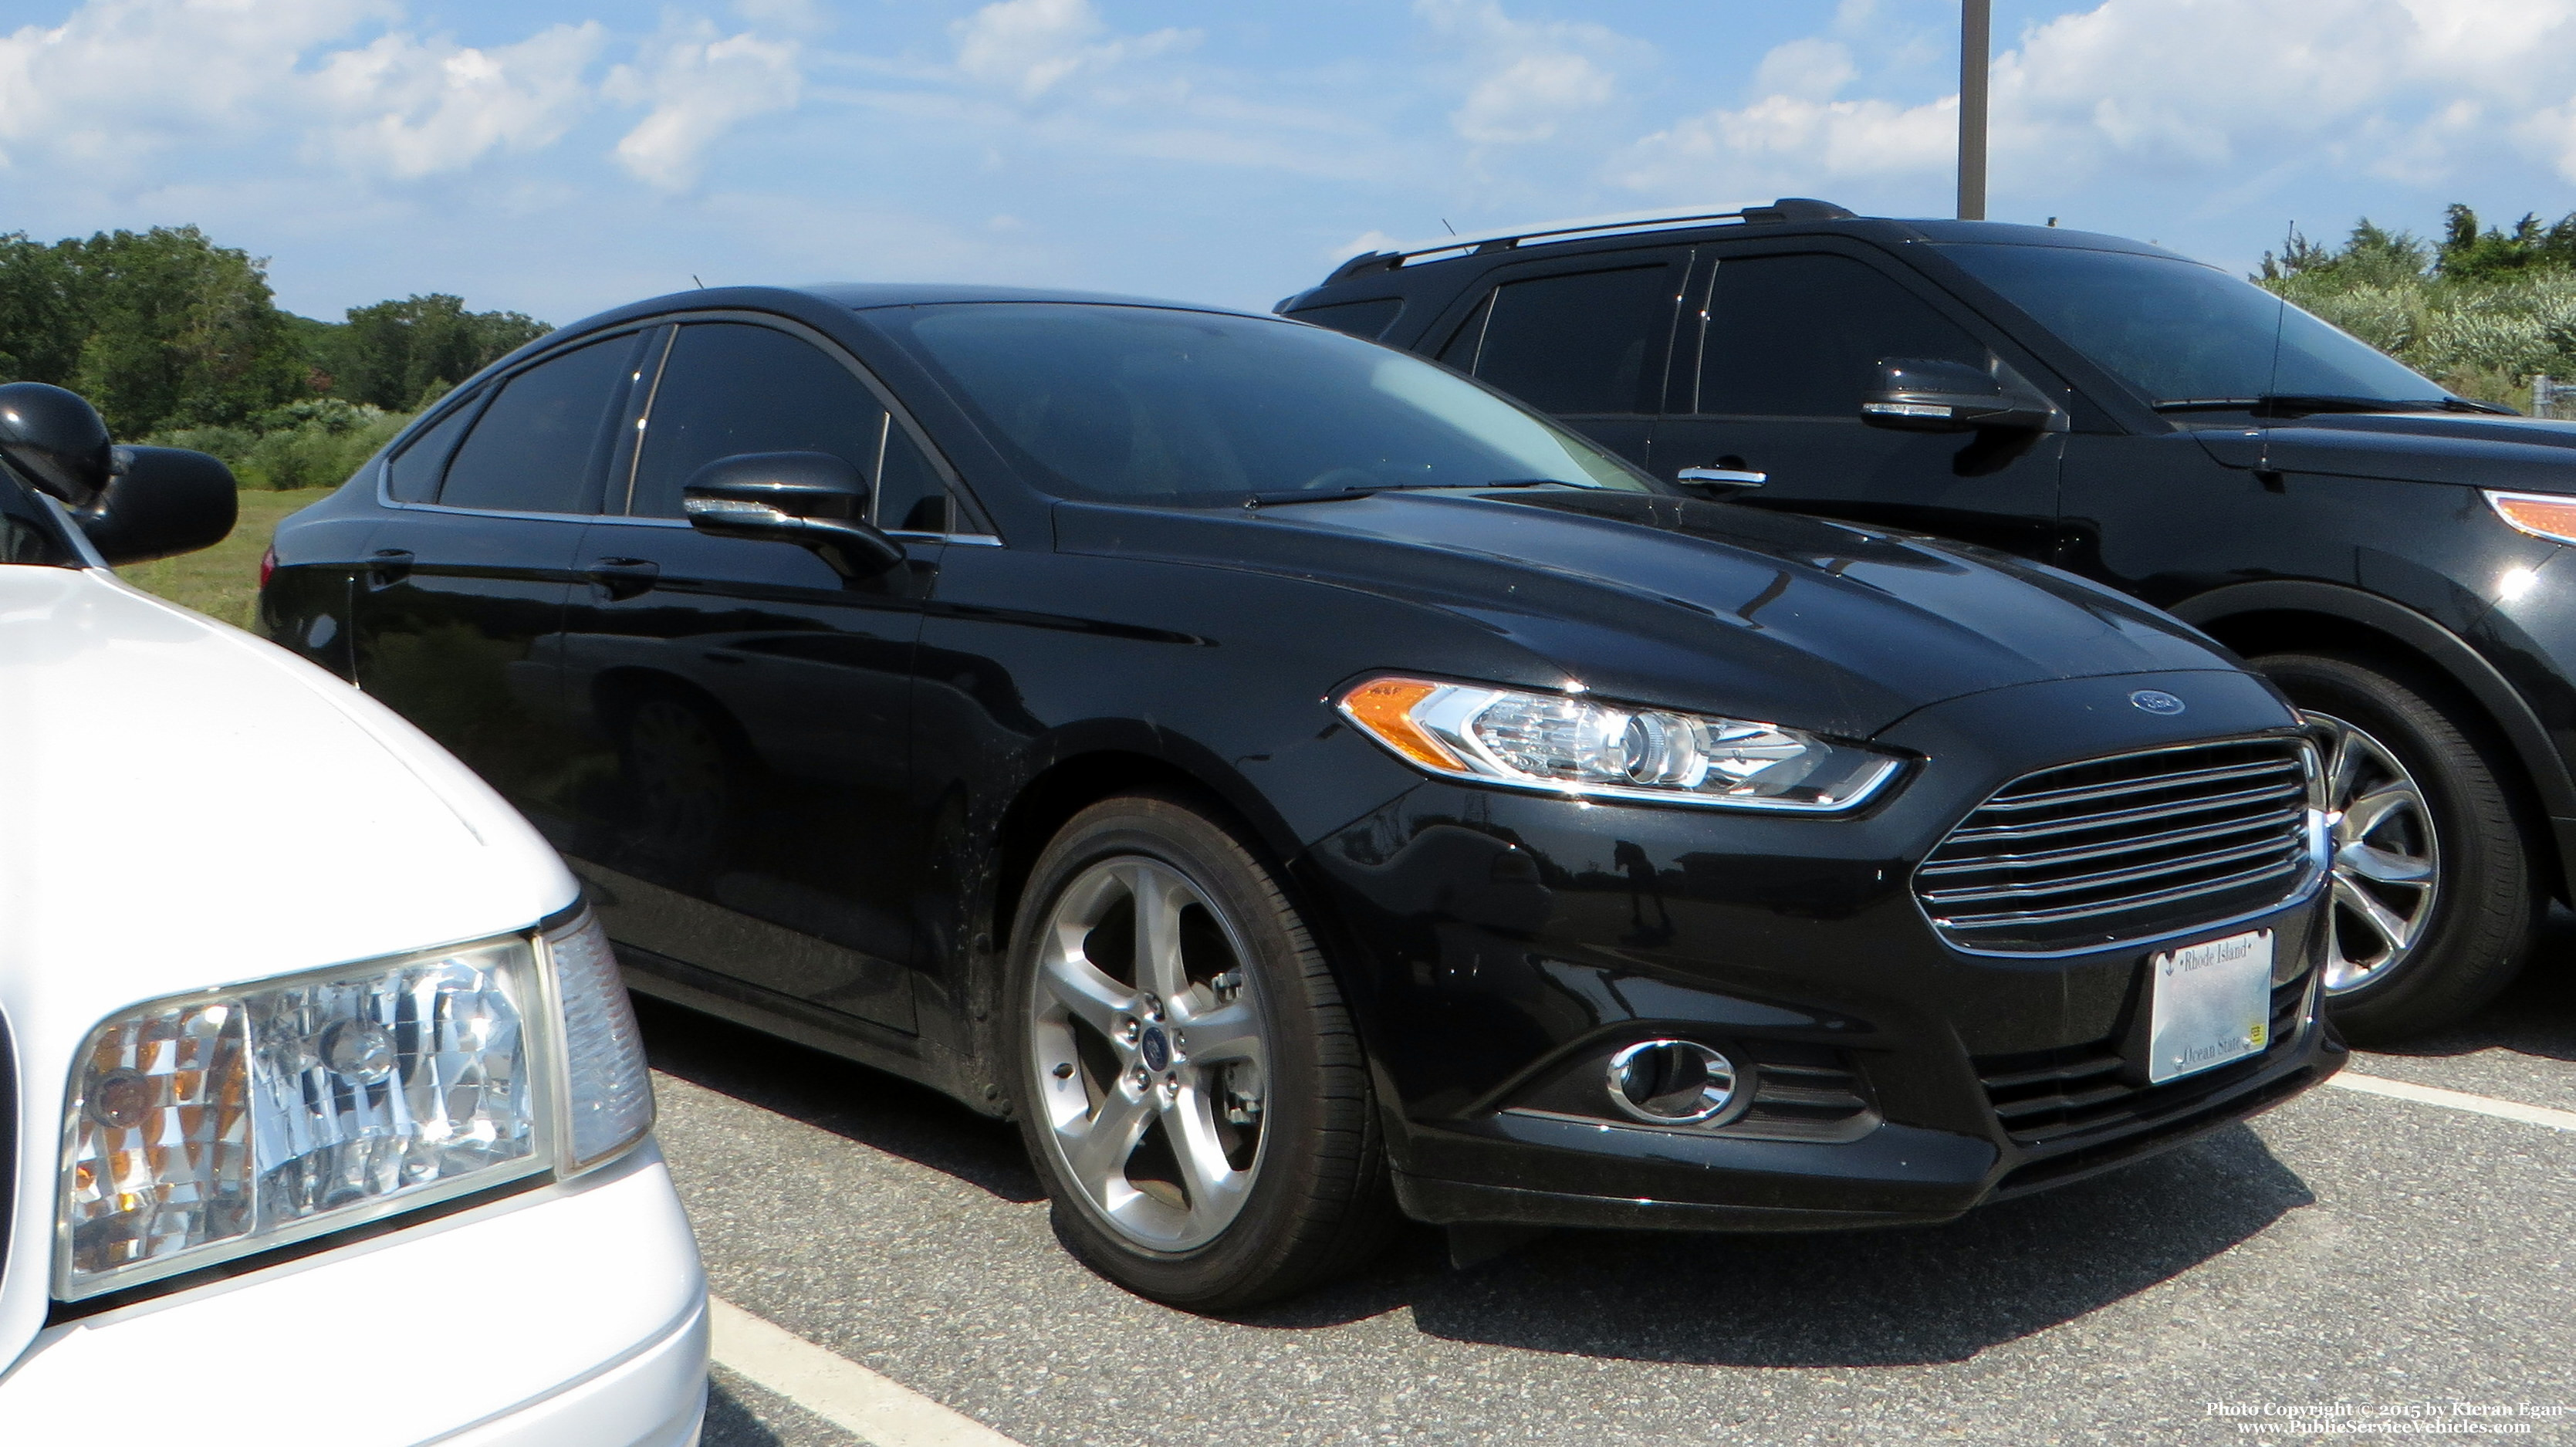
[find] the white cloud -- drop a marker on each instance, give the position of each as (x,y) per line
(1527,81)
(413,108)
(699,86)
(1029,47)
(2408,89)
(1810,69)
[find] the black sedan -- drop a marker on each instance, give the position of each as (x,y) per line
(1303,786)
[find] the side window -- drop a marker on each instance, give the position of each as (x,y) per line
(1801,336)
(1368,319)
(533,448)
(1581,342)
(732,387)
(411,475)
(910,497)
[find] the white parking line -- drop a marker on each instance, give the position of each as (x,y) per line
(2457,1100)
(875,1409)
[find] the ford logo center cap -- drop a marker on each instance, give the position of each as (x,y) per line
(2154,701)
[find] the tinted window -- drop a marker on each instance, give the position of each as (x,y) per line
(532,449)
(910,497)
(412,475)
(2180,332)
(730,388)
(1802,336)
(1148,404)
(1359,318)
(1581,343)
(26,535)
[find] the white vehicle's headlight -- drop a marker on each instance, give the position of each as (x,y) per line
(208,1126)
(1570,744)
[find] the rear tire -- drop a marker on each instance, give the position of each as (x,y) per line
(1186,1074)
(2435,902)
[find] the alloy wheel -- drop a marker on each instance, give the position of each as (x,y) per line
(2387,859)
(1151,1053)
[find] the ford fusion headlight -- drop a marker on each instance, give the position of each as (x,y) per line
(208,1126)
(1572,744)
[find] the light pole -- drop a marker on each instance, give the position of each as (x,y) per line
(1976,39)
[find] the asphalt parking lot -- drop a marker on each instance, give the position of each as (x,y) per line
(2376,1260)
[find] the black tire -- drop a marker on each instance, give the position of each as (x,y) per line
(2486,902)
(1318,1203)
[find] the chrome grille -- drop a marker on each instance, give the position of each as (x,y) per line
(2126,847)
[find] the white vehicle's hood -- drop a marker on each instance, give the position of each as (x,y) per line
(182,805)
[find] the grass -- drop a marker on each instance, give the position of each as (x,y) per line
(222,582)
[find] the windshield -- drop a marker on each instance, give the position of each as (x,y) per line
(2182,332)
(1146,404)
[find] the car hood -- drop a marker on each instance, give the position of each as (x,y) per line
(1689,603)
(191,807)
(2528,454)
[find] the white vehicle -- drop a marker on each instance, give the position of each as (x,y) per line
(323,1114)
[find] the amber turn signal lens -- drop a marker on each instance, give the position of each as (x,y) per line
(1384,707)
(2539,514)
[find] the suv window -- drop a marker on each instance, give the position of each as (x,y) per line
(532,449)
(412,474)
(1577,343)
(732,387)
(1802,335)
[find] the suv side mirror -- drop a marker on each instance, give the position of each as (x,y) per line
(811,499)
(1918,394)
(160,502)
(56,440)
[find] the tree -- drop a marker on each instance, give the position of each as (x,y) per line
(40,330)
(176,331)
(2469,254)
(394,353)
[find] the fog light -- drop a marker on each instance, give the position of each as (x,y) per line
(1671,1082)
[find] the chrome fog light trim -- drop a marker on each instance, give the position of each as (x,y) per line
(1671,1082)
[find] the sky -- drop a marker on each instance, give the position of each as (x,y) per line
(561,156)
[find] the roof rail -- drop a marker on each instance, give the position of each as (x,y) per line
(1787,208)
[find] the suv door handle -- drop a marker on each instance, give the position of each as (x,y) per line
(1723,476)
(387,566)
(623,577)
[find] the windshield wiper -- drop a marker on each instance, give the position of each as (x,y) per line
(2297,404)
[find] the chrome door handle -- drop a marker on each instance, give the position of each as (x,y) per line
(1723,476)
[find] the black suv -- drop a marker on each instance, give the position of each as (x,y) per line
(2386,552)
(1290,776)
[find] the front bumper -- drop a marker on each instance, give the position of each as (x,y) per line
(575,1313)
(1509,943)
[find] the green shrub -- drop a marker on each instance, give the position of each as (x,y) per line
(314,443)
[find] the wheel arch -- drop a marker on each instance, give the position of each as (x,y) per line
(2271,616)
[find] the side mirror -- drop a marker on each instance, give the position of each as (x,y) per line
(160,502)
(56,440)
(1916,394)
(811,499)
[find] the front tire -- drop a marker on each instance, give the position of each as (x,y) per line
(1187,1076)
(2435,902)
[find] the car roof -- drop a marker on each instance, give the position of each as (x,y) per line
(866,296)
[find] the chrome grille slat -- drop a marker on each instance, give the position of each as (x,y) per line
(2272,795)
(2144,844)
(2104,879)
(2010,799)
(2172,896)
(2128,847)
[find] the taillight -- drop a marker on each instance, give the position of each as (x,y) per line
(267,565)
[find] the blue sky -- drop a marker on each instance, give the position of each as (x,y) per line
(557,157)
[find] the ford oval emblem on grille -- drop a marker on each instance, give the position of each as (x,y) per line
(2152,701)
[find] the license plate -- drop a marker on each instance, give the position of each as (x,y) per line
(2212,1003)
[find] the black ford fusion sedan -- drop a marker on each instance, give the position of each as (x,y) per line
(1303,786)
